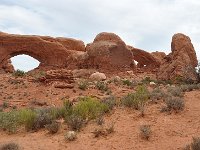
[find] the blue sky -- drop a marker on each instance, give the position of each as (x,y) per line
(146,24)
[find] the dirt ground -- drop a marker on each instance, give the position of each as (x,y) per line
(169,131)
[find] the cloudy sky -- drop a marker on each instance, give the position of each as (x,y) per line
(146,24)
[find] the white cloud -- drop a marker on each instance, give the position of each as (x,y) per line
(146,24)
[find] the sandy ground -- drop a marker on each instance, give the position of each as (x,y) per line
(169,131)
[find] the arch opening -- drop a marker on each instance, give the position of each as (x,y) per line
(24,62)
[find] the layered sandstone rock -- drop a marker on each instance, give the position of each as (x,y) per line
(144,58)
(72,44)
(181,62)
(107,52)
(8,67)
(159,55)
(49,51)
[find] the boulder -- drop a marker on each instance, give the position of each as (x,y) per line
(107,52)
(181,62)
(97,76)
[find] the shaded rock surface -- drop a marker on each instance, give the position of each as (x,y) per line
(97,76)
(49,51)
(107,52)
(144,58)
(181,62)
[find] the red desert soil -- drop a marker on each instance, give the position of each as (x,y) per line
(169,132)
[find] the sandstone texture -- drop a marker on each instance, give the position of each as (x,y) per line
(49,51)
(181,62)
(144,58)
(107,52)
(7,66)
(97,76)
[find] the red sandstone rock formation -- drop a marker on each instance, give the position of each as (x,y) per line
(181,62)
(144,58)
(8,67)
(159,55)
(107,52)
(72,44)
(49,51)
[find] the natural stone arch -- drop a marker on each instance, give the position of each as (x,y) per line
(144,58)
(47,50)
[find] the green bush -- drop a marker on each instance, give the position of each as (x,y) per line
(27,117)
(127,82)
(100,85)
(75,122)
(90,108)
(9,121)
(110,101)
(83,85)
(19,73)
(137,99)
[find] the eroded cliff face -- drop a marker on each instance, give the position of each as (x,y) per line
(107,53)
(49,51)
(181,62)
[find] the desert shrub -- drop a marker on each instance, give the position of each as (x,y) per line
(70,136)
(145,131)
(129,100)
(110,101)
(175,91)
(83,85)
(9,121)
(27,117)
(127,82)
(75,122)
(53,127)
(146,80)
(10,146)
(19,73)
(43,117)
(137,99)
(193,87)
(195,145)
(102,86)
(61,112)
(89,108)
(185,88)
(174,104)
(103,131)
(156,94)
